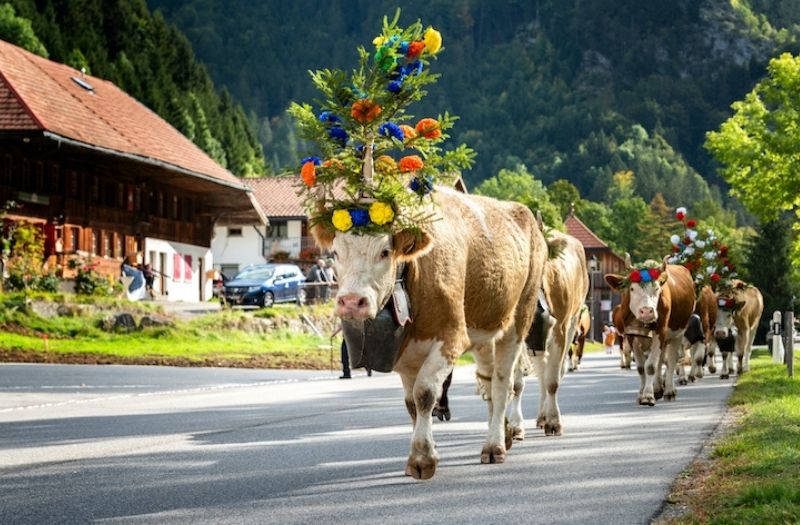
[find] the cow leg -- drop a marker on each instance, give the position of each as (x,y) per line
(651,366)
(698,355)
(506,353)
(421,392)
(744,349)
(727,365)
(442,408)
(625,352)
(515,418)
(658,381)
(674,358)
(680,368)
(557,345)
(711,355)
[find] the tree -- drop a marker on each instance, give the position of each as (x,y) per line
(757,146)
(565,196)
(520,186)
(19,31)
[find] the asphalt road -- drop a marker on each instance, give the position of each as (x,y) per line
(135,445)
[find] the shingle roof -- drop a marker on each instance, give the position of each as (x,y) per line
(38,94)
(277,196)
(580,231)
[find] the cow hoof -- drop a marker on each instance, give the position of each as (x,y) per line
(570,369)
(442,413)
(508,435)
(421,467)
(724,376)
(712,369)
(647,400)
(552,429)
(518,434)
(670,396)
(540,422)
(493,454)
(682,381)
(659,394)
(692,379)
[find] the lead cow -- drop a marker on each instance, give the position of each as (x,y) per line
(472,278)
(656,311)
(740,309)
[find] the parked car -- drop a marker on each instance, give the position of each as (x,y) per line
(266,284)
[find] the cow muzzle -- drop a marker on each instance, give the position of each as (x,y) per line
(354,306)
(647,315)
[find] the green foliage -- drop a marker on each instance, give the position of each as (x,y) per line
(19,31)
(88,281)
(26,271)
(519,185)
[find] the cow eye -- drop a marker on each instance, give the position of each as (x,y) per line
(385,254)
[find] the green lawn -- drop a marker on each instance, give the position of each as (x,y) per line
(755,475)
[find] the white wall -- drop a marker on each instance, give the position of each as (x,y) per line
(185,286)
(241,251)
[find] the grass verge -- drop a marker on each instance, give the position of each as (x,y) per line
(754,473)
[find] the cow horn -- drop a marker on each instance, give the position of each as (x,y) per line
(664,263)
(628,263)
(539,220)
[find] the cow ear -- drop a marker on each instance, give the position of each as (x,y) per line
(663,277)
(410,244)
(323,235)
(614,281)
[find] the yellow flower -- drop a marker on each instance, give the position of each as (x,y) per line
(381,213)
(341,220)
(379,40)
(433,41)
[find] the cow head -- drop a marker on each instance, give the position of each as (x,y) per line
(725,327)
(366,266)
(643,285)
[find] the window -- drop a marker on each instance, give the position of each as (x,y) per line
(95,248)
(117,245)
(74,239)
(278,229)
(107,244)
(174,209)
(234,232)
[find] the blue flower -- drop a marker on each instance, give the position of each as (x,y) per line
(422,187)
(360,148)
(314,159)
(395,86)
(414,68)
(390,129)
(403,48)
(328,117)
(645,276)
(338,134)
(360,217)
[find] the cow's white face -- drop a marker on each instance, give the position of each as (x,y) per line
(724,326)
(644,301)
(365,271)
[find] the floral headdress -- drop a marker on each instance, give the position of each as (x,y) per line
(644,273)
(702,254)
(376,166)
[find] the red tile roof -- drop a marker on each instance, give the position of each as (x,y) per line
(38,94)
(580,231)
(277,196)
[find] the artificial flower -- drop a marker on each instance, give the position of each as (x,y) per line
(408,131)
(390,129)
(385,164)
(692,234)
(360,217)
(381,213)
(429,128)
(700,244)
(328,117)
(313,158)
(415,48)
(335,163)
(680,213)
(675,240)
(385,59)
(433,41)
(723,250)
(394,86)
(421,186)
(414,68)
(379,40)
(341,220)
(403,48)
(715,277)
(308,173)
(655,273)
(365,110)
(691,223)
(338,134)
(636,276)
(645,274)
(410,163)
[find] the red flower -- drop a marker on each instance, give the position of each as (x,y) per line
(680,215)
(688,265)
(655,273)
(723,250)
(691,223)
(715,277)
(365,110)
(308,173)
(676,249)
(636,276)
(415,49)
(429,128)
(410,163)
(687,241)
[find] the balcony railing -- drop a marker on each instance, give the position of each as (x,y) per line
(294,246)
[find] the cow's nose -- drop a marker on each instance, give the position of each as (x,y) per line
(721,334)
(646,312)
(352,305)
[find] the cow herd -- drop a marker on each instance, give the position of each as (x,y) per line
(484,278)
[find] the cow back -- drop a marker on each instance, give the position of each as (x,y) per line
(748,316)
(706,308)
(677,300)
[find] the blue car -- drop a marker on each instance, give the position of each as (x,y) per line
(266,284)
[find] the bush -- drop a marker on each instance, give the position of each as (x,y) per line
(88,280)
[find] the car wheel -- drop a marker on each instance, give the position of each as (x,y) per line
(268,300)
(302,296)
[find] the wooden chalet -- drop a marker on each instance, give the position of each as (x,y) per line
(600,259)
(107,178)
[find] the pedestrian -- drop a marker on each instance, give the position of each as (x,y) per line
(609,338)
(149,280)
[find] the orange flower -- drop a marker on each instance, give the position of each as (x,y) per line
(410,163)
(335,163)
(415,49)
(385,164)
(429,128)
(365,110)
(308,173)
(408,131)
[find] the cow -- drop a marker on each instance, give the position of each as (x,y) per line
(579,340)
(700,342)
(564,286)
(740,309)
(656,311)
(472,277)
(625,347)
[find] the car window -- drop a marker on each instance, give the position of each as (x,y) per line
(256,273)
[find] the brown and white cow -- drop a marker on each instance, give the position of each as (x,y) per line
(472,279)
(655,315)
(701,344)
(564,285)
(579,340)
(740,309)
(626,345)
